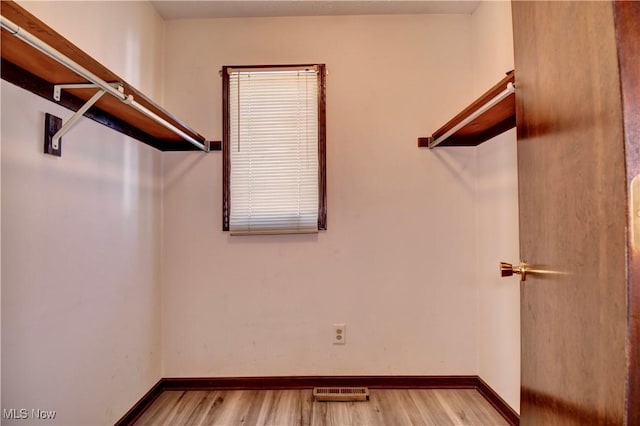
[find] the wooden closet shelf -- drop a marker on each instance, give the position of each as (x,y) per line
(490,123)
(35,71)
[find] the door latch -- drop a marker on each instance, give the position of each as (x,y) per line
(507,270)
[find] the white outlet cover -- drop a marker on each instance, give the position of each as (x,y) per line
(339,334)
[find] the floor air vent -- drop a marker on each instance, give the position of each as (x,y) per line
(341,394)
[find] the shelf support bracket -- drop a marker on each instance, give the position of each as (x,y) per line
(55,140)
(57,88)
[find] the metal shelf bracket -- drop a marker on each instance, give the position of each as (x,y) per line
(57,88)
(57,94)
(55,140)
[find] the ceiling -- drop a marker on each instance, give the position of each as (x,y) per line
(175,9)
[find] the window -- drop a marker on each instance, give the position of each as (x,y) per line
(274,178)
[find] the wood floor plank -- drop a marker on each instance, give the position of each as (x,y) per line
(414,415)
(318,414)
(463,410)
(483,412)
(165,405)
(216,409)
(439,407)
(238,406)
(203,401)
(185,407)
(363,414)
(285,408)
(152,411)
(305,407)
(339,413)
(256,399)
(432,411)
(389,403)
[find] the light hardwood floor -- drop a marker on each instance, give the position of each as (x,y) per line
(296,407)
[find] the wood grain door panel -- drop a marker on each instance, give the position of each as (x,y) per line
(573,215)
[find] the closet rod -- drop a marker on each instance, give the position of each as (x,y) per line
(43,47)
(500,96)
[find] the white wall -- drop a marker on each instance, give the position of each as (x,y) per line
(81,238)
(497,213)
(396,263)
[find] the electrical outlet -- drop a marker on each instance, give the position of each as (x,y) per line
(339,334)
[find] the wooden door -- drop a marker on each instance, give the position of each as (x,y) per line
(574,215)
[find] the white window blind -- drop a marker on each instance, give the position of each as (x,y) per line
(273,144)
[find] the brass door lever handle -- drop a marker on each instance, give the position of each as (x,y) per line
(507,270)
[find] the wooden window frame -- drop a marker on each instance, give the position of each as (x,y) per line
(322,141)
